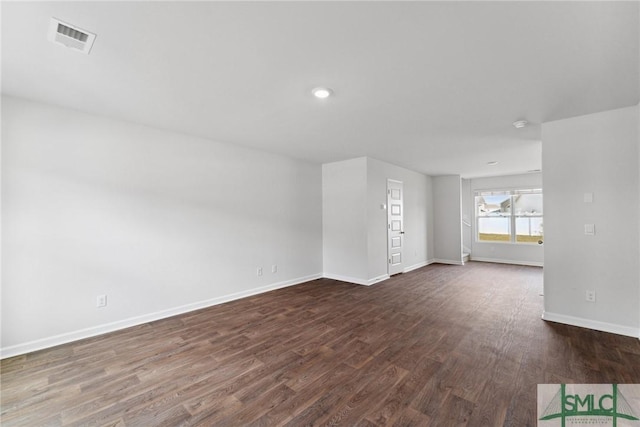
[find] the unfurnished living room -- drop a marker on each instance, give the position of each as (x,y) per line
(371,213)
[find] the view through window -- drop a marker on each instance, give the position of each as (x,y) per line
(509,216)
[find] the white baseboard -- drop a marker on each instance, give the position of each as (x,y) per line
(68,337)
(448,261)
(507,261)
(375,280)
(592,324)
(380,278)
(354,280)
(415,266)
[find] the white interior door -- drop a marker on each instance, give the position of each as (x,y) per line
(395,226)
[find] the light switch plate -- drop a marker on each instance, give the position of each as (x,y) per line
(589,229)
(101,301)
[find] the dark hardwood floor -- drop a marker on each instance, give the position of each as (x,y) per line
(442,346)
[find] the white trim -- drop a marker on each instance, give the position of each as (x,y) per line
(377,279)
(394,268)
(415,266)
(466,257)
(511,191)
(592,324)
(355,280)
(93,331)
(448,261)
(347,279)
(507,261)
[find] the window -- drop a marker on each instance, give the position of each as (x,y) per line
(509,216)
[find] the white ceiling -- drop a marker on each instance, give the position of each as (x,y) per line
(431,86)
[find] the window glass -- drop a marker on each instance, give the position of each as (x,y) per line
(529,229)
(496,229)
(509,216)
(494,205)
(528,204)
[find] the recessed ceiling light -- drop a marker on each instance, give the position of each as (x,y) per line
(493,163)
(519,124)
(322,92)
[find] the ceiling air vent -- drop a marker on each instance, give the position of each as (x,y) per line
(70,36)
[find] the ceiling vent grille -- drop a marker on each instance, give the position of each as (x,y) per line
(71,36)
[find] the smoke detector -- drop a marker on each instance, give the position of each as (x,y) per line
(71,36)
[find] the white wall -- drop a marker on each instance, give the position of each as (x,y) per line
(418,207)
(355,226)
(447,213)
(160,222)
(527,254)
(431,227)
(596,153)
(467,215)
(344,220)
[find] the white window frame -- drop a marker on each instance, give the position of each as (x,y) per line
(512,215)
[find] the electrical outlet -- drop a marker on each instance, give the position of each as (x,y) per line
(259,272)
(101,301)
(591,296)
(274,268)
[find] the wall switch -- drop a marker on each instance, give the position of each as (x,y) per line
(591,296)
(259,272)
(588,197)
(101,301)
(274,268)
(589,229)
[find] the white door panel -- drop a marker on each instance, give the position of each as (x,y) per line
(395,228)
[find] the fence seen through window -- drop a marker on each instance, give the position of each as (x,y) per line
(509,216)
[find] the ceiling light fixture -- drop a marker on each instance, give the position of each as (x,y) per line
(519,124)
(322,92)
(493,163)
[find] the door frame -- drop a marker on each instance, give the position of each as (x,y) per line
(395,235)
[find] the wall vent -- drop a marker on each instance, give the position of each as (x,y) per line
(71,36)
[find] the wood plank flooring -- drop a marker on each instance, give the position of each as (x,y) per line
(441,346)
